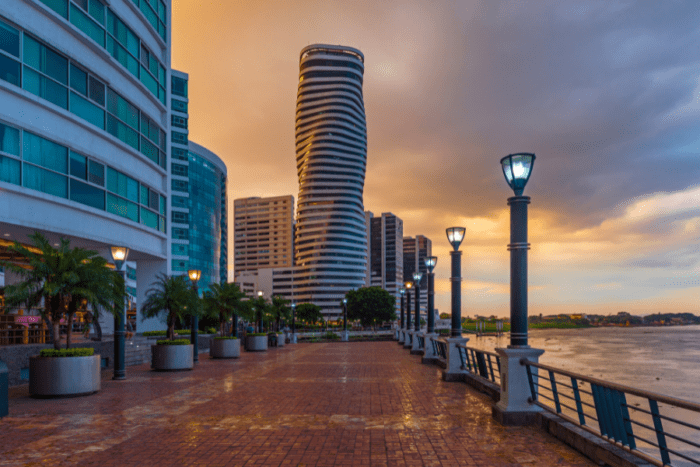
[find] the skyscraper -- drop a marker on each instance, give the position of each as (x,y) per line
(331,154)
(386,253)
(415,250)
(263,233)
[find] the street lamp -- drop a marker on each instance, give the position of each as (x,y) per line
(517,169)
(408,286)
(260,321)
(345,314)
(194,275)
(294,323)
(119,255)
(430,263)
(402,292)
(455,235)
(417,276)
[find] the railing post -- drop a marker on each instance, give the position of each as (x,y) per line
(555,393)
(514,407)
(660,435)
(430,352)
(577,398)
(454,370)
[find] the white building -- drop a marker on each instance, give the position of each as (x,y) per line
(85,128)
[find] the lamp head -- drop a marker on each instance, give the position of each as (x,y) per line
(294,305)
(345,301)
(402,291)
(455,235)
(260,293)
(408,285)
(119,255)
(517,169)
(194,275)
(430,263)
(417,276)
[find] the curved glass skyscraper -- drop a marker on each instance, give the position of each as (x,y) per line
(331,154)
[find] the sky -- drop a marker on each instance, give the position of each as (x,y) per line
(605,93)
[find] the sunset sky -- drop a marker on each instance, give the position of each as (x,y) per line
(605,93)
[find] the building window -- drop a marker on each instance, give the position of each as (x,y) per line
(179,86)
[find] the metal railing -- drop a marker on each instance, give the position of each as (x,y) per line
(421,342)
(481,363)
(409,339)
(619,416)
(439,348)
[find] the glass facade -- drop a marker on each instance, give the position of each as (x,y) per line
(35,162)
(67,84)
(103,26)
(205,218)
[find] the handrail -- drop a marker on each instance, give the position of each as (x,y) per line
(480,363)
(486,352)
(619,422)
(619,387)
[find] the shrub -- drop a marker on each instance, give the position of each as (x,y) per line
(75,352)
(173,342)
(223,338)
(154,333)
(210,330)
(331,336)
(257,334)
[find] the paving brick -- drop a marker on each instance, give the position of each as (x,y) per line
(335,404)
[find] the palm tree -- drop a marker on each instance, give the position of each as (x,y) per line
(279,310)
(173,295)
(60,277)
(223,301)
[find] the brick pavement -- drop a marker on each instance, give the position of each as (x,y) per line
(357,403)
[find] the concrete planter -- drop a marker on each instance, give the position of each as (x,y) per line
(225,348)
(64,376)
(256,343)
(172,357)
(281,340)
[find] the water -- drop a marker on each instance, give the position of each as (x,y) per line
(663,360)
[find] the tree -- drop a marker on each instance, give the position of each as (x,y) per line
(171,294)
(279,310)
(65,278)
(371,305)
(445,316)
(308,313)
(223,301)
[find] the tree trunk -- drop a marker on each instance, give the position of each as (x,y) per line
(98,329)
(171,326)
(56,333)
(69,329)
(48,324)
(222,324)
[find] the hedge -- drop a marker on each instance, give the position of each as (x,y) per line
(223,338)
(77,352)
(173,342)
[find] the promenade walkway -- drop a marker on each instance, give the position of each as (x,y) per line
(349,404)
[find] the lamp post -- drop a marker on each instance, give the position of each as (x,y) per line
(402,292)
(408,286)
(345,314)
(417,276)
(119,255)
(194,275)
(430,263)
(294,323)
(260,321)
(455,235)
(514,408)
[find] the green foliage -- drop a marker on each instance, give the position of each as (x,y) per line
(555,325)
(445,316)
(75,352)
(331,336)
(225,338)
(256,334)
(173,342)
(308,313)
(171,295)
(371,306)
(66,278)
(279,310)
(210,330)
(222,301)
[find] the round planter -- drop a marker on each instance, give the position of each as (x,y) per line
(280,340)
(256,343)
(172,357)
(64,376)
(225,348)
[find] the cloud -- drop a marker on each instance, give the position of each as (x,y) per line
(606,93)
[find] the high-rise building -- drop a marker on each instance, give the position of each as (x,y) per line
(331,155)
(84,128)
(386,253)
(415,250)
(199,219)
(263,233)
